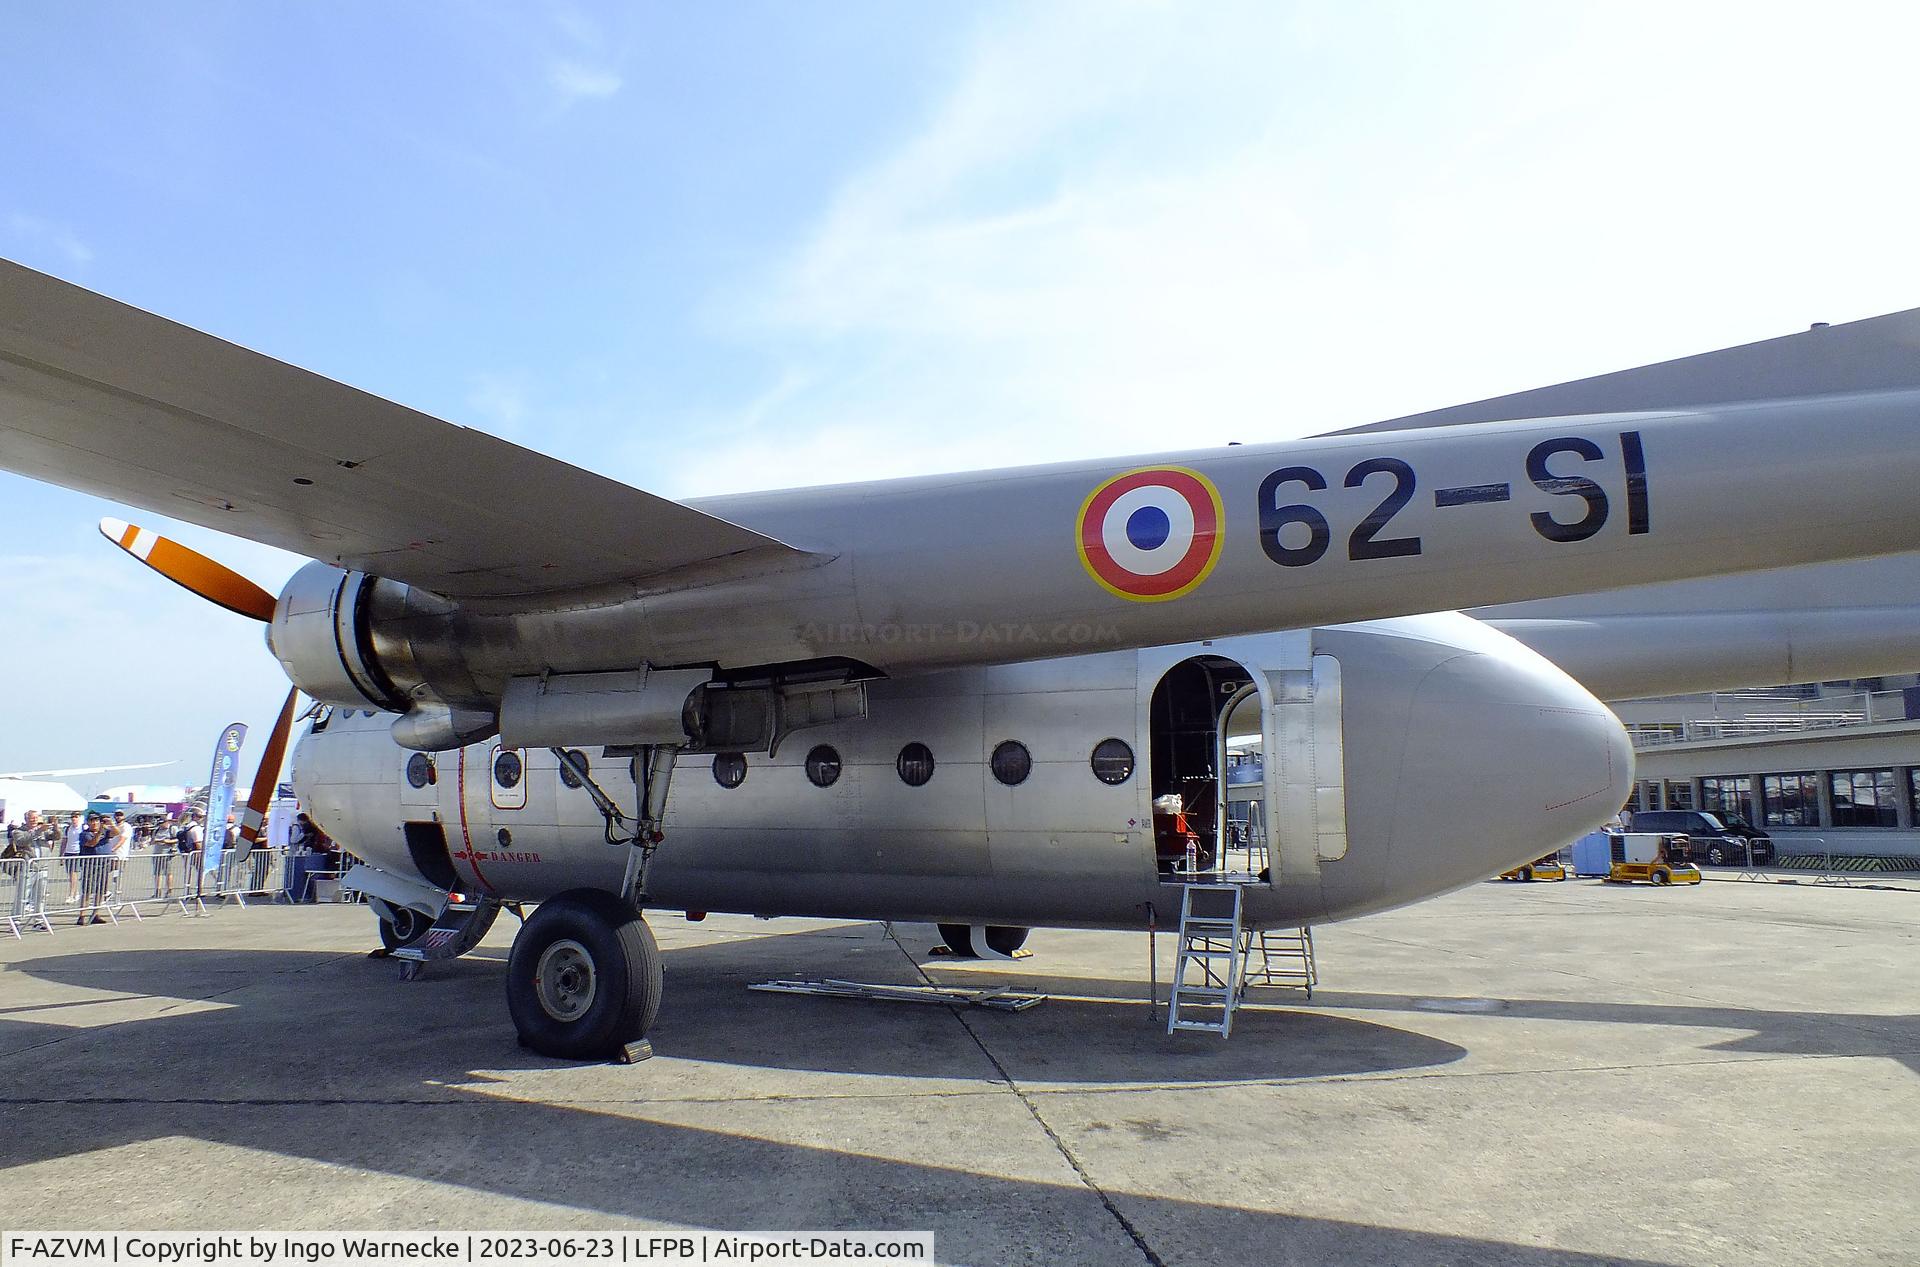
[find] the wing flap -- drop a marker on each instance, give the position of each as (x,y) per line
(99,396)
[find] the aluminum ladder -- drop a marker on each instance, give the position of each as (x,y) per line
(1206,976)
(1279,957)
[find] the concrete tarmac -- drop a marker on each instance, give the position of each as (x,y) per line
(1544,1074)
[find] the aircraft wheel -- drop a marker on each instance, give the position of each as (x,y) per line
(405,928)
(584,977)
(995,940)
(1005,940)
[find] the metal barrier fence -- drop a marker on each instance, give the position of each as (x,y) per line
(101,888)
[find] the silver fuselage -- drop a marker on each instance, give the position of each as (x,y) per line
(1403,758)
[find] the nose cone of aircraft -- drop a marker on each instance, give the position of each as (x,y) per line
(1487,755)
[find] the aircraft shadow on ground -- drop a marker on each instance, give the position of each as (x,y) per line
(277,1090)
(1768,1031)
(710,1015)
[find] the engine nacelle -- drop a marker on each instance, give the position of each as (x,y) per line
(360,641)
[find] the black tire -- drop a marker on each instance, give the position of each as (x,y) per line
(584,978)
(1716,854)
(1005,940)
(412,926)
(1526,873)
(959,939)
(1661,877)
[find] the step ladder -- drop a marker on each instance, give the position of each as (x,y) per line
(1206,976)
(1279,957)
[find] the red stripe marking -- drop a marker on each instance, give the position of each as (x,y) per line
(466,840)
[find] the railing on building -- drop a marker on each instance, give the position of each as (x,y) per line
(1830,712)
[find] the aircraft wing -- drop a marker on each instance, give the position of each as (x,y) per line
(1877,354)
(84,769)
(101,397)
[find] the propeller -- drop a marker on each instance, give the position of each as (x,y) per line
(224,587)
(189,569)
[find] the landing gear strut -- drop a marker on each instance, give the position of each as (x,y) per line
(584,978)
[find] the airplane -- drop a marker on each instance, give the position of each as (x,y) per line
(991,701)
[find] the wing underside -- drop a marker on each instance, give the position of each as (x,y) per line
(102,397)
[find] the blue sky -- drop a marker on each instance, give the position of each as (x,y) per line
(717,248)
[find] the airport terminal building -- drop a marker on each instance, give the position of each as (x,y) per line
(1832,768)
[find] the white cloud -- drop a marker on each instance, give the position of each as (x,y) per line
(46,233)
(575,80)
(499,402)
(1127,228)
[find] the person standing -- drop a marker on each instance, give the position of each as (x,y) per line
(70,846)
(186,843)
(96,859)
(122,828)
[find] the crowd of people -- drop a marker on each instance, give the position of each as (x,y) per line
(113,838)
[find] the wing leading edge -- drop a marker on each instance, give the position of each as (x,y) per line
(99,396)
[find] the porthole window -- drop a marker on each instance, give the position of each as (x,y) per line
(823,766)
(507,768)
(1012,763)
(730,769)
(567,776)
(1112,762)
(915,764)
(419,769)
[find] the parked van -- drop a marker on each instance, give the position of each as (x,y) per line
(1721,842)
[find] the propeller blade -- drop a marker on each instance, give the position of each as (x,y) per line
(253,820)
(190,569)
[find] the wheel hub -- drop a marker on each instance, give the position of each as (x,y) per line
(565,980)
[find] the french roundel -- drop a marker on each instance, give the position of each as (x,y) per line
(1152,534)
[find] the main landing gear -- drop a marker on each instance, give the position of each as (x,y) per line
(584,978)
(983,941)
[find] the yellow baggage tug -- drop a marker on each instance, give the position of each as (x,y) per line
(1547,868)
(1652,858)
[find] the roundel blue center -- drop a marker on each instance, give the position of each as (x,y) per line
(1148,528)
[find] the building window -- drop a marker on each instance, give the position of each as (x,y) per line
(915,764)
(1728,795)
(1863,798)
(1646,794)
(1679,794)
(1011,762)
(1112,762)
(1790,800)
(730,769)
(823,766)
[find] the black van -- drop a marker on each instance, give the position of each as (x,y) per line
(1714,840)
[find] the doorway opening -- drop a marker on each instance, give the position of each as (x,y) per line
(1207,764)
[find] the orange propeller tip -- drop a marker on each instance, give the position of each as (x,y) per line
(132,538)
(190,569)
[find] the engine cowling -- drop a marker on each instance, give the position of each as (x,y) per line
(361,641)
